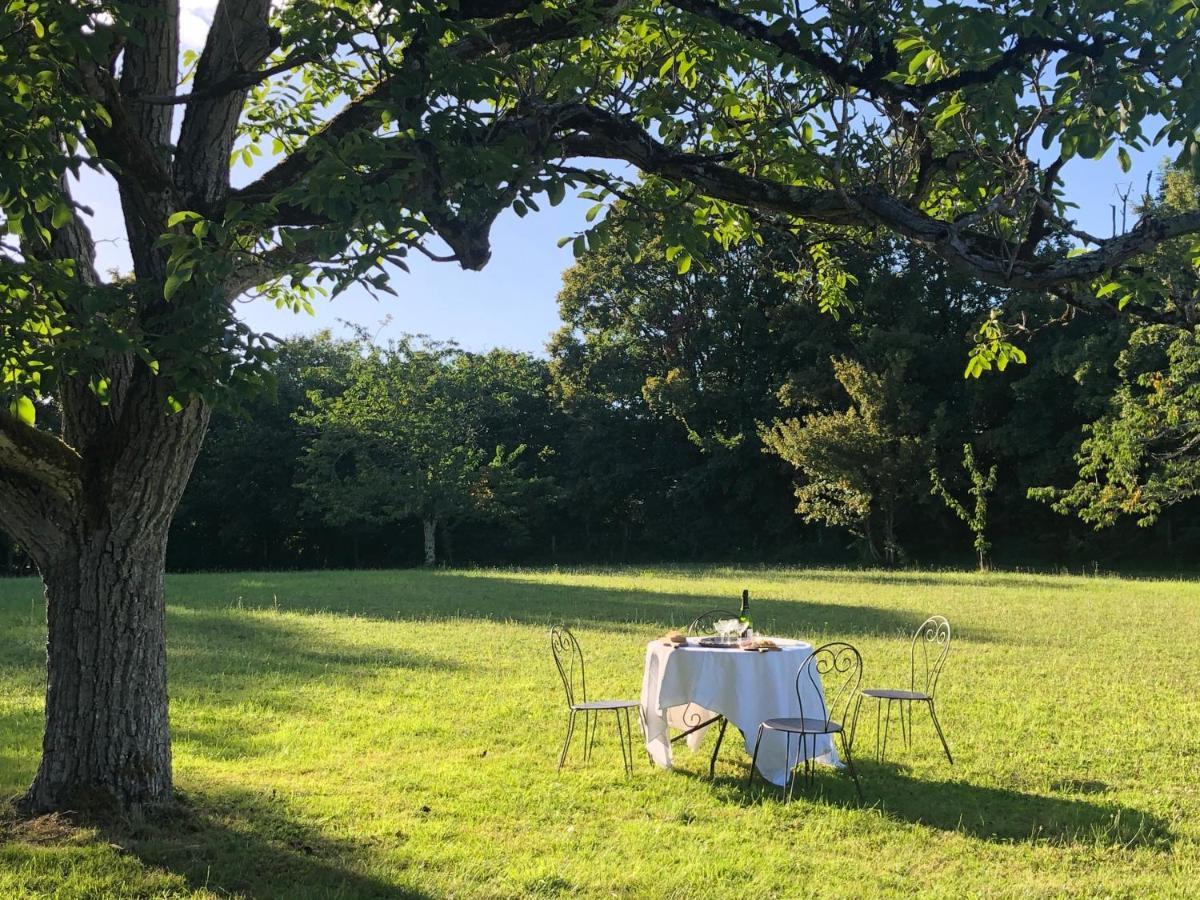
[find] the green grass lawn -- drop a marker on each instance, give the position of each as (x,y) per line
(394,734)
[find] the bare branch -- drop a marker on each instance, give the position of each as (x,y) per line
(236,81)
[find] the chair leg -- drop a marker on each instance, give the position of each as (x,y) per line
(629,738)
(792,770)
(712,763)
(754,758)
(854,720)
(879,727)
(938,725)
(595,728)
(850,766)
(621,741)
(887,721)
(562,757)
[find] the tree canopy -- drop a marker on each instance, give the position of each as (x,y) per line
(376,130)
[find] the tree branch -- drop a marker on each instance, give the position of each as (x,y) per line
(236,81)
(38,456)
(503,36)
(596,133)
(237,43)
(871,77)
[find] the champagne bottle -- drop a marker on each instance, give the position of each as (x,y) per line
(747,623)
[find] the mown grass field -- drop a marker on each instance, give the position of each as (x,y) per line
(394,734)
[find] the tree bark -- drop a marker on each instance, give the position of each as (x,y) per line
(107,746)
(430,526)
(107,742)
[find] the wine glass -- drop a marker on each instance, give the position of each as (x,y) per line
(727,629)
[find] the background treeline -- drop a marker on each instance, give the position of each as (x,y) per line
(722,414)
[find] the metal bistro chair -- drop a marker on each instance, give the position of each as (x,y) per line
(835,671)
(932,640)
(568,658)
(693,715)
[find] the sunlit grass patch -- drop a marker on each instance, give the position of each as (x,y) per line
(389,734)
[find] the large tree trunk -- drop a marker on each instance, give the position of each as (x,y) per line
(107,743)
(92,509)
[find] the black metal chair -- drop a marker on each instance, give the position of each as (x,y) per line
(694,716)
(834,670)
(568,658)
(932,640)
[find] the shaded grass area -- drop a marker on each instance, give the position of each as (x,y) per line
(393,734)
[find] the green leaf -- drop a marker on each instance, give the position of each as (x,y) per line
(918,60)
(172,284)
(1124,160)
(556,190)
(184,215)
(62,215)
(951,110)
(24,409)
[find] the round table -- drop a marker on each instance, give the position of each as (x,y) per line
(686,685)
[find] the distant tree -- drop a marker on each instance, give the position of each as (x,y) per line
(858,465)
(684,366)
(981,490)
(405,438)
(242,507)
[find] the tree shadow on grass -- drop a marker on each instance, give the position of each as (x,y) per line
(232,843)
(995,814)
(228,647)
(440,596)
(220,659)
(1006,815)
(226,659)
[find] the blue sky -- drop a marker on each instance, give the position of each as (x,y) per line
(511,303)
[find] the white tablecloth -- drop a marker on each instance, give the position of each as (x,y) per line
(745,687)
